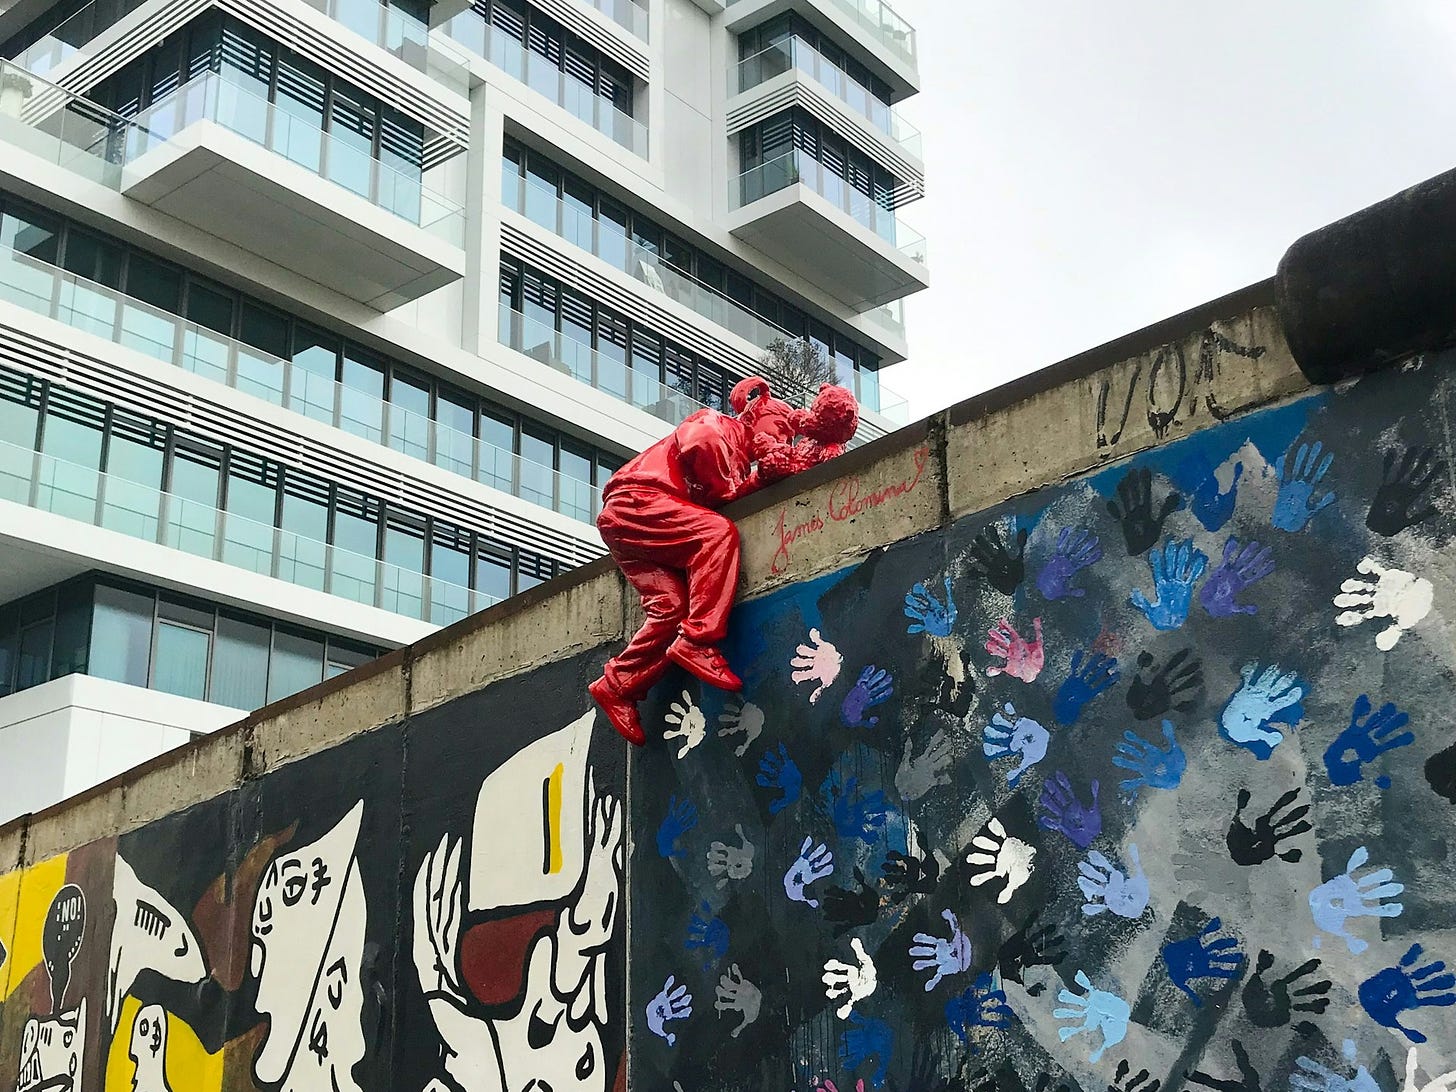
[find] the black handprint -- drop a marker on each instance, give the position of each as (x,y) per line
(925,1074)
(994,563)
(1271,1004)
(1044,1084)
(1140,528)
(1441,773)
(1255,846)
(1248,1076)
(906,876)
(1138,1083)
(1033,945)
(1178,684)
(1401,487)
(849,908)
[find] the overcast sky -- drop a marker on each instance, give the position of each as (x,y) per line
(1096,165)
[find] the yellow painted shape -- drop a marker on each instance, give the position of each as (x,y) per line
(9,901)
(38,886)
(189,1067)
(553,817)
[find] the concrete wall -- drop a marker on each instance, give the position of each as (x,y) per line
(430,873)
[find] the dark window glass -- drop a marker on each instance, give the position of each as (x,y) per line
(8,641)
(154,282)
(35,654)
(298,663)
(93,258)
(343,657)
(240,664)
(210,307)
(492,574)
(73,630)
(33,234)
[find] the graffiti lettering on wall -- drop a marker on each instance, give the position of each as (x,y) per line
(1137,784)
(353,922)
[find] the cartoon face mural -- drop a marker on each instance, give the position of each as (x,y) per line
(148,932)
(51,1052)
(1138,782)
(148,1050)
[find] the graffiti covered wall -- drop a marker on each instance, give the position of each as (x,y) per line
(1141,781)
(351,921)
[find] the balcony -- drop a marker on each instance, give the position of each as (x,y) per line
(85,305)
(812,220)
(543,76)
(218,156)
(631,14)
(880,27)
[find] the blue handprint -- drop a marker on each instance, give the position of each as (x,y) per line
(1202,956)
(867,1038)
(873,687)
(671,1003)
(1065,813)
(1091,674)
(942,955)
(1098,1010)
(1365,740)
(1405,988)
(1155,767)
(1295,505)
(1176,567)
(1009,735)
(854,815)
(1239,569)
(681,817)
(1076,550)
(1213,505)
(982,1005)
(1267,696)
(707,931)
(927,613)
(776,770)
(1345,896)
(814,863)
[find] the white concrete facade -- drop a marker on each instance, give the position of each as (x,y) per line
(415,279)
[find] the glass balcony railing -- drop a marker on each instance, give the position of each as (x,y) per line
(880,20)
(798,167)
(797,54)
(59,127)
(546,77)
(144,511)
(625,13)
(387,27)
(123,320)
(337,157)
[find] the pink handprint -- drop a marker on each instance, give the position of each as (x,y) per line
(1024,659)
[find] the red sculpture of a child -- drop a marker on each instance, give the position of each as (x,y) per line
(659,523)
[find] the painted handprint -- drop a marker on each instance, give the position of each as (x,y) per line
(1152,766)
(779,772)
(1268,695)
(909,875)
(850,907)
(681,817)
(1024,659)
(1133,510)
(980,1005)
(1248,1079)
(1176,685)
(928,613)
(1125,1080)
(1337,900)
(1212,503)
(673,1002)
(1093,1011)
(708,932)
(846,984)
(1403,485)
(1312,1076)
(1254,845)
(1065,813)
(1091,674)
(994,563)
(1035,944)
(818,662)
(690,724)
(813,864)
(1107,888)
(1240,568)
(1076,550)
(1446,1082)
(919,773)
(997,855)
(1202,956)
(1176,568)
(942,956)
(737,994)
(1272,1002)
(873,687)
(867,1039)
(1406,987)
(1404,598)
(1010,736)
(729,862)
(855,814)
(1295,504)
(1368,736)
(741,718)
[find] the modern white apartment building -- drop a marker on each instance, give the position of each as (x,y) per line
(323,321)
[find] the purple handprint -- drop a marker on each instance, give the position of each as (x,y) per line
(1240,568)
(873,687)
(1076,550)
(1082,823)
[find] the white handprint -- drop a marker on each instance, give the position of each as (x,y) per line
(1402,597)
(1446,1082)
(918,774)
(728,862)
(738,994)
(818,661)
(1001,855)
(741,719)
(692,726)
(850,983)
